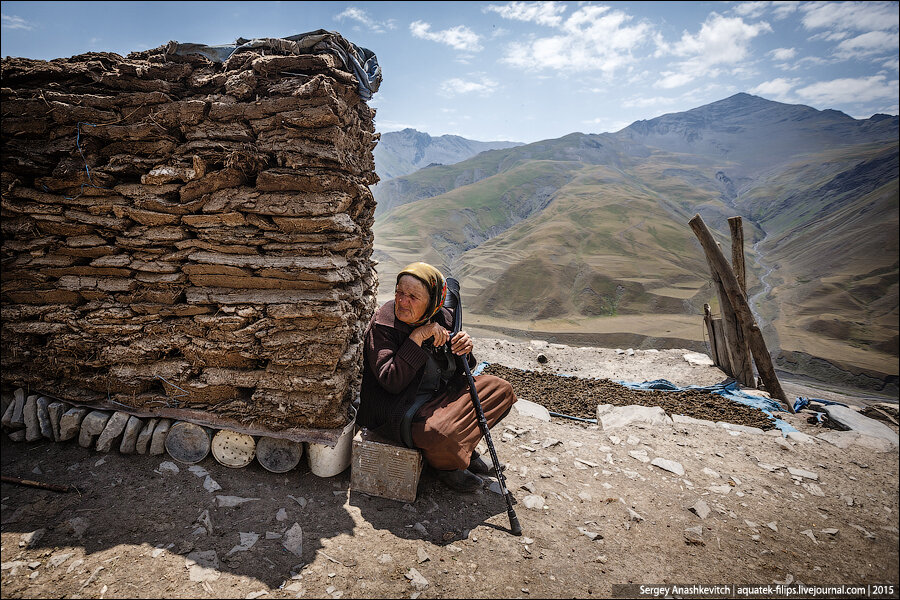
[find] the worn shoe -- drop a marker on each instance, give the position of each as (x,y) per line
(483,465)
(461,480)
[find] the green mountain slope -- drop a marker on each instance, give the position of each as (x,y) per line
(585,239)
(833,244)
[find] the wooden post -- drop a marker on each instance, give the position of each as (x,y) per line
(741,308)
(737,251)
(735,341)
(707,320)
(722,346)
(717,341)
(735,224)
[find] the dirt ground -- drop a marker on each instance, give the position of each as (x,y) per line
(594,510)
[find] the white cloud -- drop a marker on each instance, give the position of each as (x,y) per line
(542,13)
(859,16)
(751,9)
(830,36)
(892,64)
(385,126)
(849,90)
(14,22)
(783,53)
(499,32)
(651,102)
(776,89)
(800,63)
(593,38)
(721,42)
(459,37)
(867,44)
(784,8)
(672,79)
(483,87)
(354,14)
(363,18)
(779,10)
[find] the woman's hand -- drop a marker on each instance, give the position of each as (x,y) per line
(461,344)
(429,330)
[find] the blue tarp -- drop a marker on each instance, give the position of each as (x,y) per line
(801,402)
(730,390)
(820,416)
(362,62)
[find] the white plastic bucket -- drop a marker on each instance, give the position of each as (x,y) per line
(325,461)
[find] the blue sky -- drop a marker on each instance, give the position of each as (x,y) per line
(526,71)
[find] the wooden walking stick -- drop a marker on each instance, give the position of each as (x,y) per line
(53,487)
(456,304)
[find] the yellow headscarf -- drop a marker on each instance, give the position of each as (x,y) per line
(434,282)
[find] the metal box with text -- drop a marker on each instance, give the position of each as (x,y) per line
(380,467)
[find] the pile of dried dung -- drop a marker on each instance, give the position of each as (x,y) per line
(579,397)
(186,234)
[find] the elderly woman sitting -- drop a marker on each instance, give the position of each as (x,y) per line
(413,389)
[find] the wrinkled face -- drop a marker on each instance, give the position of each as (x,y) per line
(410,299)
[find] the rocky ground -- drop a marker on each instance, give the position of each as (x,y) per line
(684,501)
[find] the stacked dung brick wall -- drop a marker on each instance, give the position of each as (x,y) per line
(188,237)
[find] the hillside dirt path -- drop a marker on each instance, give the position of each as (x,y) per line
(594,512)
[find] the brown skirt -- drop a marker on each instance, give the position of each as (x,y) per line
(446,428)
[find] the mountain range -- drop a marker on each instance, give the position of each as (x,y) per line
(584,239)
(403,152)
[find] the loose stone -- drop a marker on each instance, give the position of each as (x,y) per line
(29,414)
(803,473)
(70,423)
(533,502)
(92,426)
(142,443)
(293,540)
(158,441)
(43,415)
(114,428)
(416,579)
(700,508)
(668,465)
(694,535)
(55,412)
(129,437)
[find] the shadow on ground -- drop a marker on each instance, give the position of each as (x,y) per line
(128,500)
(439,515)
